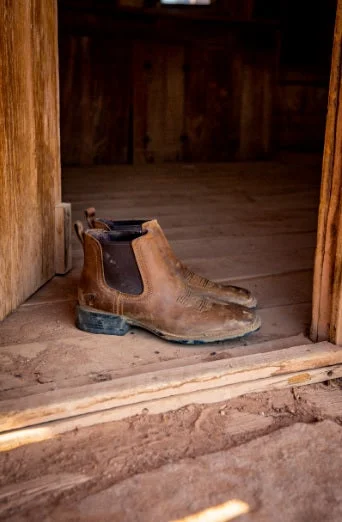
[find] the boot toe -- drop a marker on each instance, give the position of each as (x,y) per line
(240,296)
(243,322)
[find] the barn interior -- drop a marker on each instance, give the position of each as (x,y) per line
(210,117)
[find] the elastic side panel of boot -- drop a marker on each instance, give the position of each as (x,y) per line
(133,226)
(120,267)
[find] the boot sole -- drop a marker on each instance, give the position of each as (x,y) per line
(97,322)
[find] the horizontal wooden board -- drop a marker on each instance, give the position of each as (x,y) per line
(52,379)
(14,497)
(19,437)
(32,410)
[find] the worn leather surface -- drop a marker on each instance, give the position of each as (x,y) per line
(200,285)
(167,303)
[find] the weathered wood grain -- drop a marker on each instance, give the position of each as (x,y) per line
(95,99)
(29,147)
(212,101)
(158,102)
(16,496)
(12,389)
(190,381)
(63,252)
(259,63)
(19,437)
(327,315)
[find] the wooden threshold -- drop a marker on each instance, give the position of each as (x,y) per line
(45,415)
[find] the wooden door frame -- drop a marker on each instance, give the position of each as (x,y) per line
(38,416)
(30,175)
(327,284)
(326,321)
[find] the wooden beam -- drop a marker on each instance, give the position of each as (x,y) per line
(336,323)
(18,496)
(48,430)
(203,382)
(63,253)
(29,147)
(327,304)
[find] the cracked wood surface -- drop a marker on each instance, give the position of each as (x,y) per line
(203,382)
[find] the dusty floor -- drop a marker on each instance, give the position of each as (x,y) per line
(280,452)
(252,224)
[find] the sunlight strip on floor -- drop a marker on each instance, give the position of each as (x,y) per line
(220,513)
(17,438)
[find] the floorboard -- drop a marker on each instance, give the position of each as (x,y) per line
(23,418)
(251,223)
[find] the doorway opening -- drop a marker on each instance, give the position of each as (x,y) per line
(211,123)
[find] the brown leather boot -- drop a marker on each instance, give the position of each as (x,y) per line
(131,280)
(200,285)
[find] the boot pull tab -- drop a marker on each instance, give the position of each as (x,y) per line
(90,215)
(79,231)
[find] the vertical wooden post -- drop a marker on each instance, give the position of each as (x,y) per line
(30,177)
(327,290)
(63,253)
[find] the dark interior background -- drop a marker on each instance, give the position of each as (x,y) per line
(236,80)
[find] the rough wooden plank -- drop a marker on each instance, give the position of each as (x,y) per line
(158,102)
(45,78)
(140,101)
(258,265)
(64,403)
(259,70)
(29,147)
(156,71)
(95,81)
(212,96)
(326,400)
(19,437)
(279,290)
(301,114)
(235,245)
(174,110)
(211,197)
(329,209)
(290,472)
(16,496)
(63,252)
(58,376)
(336,317)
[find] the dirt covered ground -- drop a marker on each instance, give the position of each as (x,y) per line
(280,453)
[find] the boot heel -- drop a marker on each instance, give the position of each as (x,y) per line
(97,322)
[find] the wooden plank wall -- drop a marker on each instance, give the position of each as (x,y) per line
(29,148)
(95,76)
(158,102)
(259,51)
(212,102)
(327,291)
(182,93)
(255,79)
(302,100)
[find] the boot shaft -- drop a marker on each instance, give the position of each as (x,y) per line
(122,264)
(113,252)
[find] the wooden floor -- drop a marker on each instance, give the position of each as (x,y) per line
(253,224)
